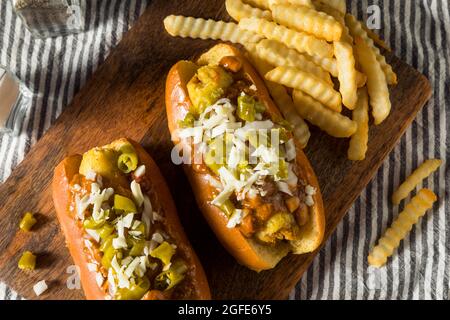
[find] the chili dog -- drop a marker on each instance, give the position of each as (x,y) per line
(122,229)
(262,209)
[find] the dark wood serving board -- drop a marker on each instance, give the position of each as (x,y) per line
(125,98)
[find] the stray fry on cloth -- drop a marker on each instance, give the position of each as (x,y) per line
(357,30)
(358,143)
(189,27)
(317,88)
(300,41)
(277,54)
(376,81)
(308,20)
(346,73)
(284,102)
(420,174)
(238,10)
(261,4)
(306,3)
(333,123)
(416,209)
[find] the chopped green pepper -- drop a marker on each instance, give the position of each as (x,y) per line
(124,204)
(128,160)
(188,121)
(283,134)
(106,243)
(285,124)
(141,227)
(90,223)
(105,231)
(246,108)
(163,252)
(210,161)
(259,107)
(227,208)
(137,247)
(282,173)
(208,86)
(215,156)
(166,280)
(108,255)
(27,222)
(27,261)
(136,290)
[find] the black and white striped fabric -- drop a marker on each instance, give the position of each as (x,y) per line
(418,31)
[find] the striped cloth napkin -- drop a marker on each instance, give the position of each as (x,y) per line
(55,69)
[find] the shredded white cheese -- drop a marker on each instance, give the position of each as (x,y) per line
(99,279)
(310,190)
(235,219)
(94,234)
(137,193)
(224,127)
(132,266)
(157,216)
(119,243)
(40,287)
(134,233)
(235,157)
(157,237)
(142,267)
(123,280)
(126,261)
(120,228)
(111,283)
(128,220)
(97,198)
(309,201)
(147,215)
(292,179)
(81,205)
(91,175)
(223,196)
(284,187)
(267,155)
(140,171)
(213,122)
(151,246)
(87,243)
(136,224)
(229,180)
(291,152)
(167,266)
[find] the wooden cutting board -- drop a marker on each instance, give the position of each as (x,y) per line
(125,98)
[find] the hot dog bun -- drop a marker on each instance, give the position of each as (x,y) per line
(64,173)
(248,252)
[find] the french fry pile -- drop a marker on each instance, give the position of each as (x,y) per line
(300,46)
